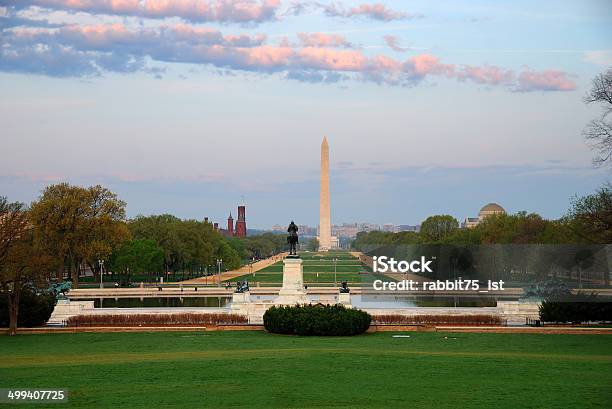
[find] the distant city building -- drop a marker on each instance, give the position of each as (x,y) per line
(241,228)
(237,230)
(407,227)
(304,230)
(486,211)
(350,230)
(390,228)
(230,225)
(345,230)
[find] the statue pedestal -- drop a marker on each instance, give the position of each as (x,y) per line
(345,299)
(292,291)
(241,303)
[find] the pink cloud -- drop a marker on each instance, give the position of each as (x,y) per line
(548,80)
(487,74)
(386,64)
(75,50)
(425,64)
(376,11)
(267,56)
(331,59)
(240,11)
(393,43)
(323,40)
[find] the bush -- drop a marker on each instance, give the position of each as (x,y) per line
(135,320)
(479,319)
(575,312)
(322,320)
(35,308)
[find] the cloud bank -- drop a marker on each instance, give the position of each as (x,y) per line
(224,11)
(44,46)
(76,50)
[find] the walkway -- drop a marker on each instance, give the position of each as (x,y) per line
(228,275)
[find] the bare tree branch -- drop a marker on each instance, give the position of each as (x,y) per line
(598,132)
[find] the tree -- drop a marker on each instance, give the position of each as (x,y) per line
(436,228)
(21,263)
(598,132)
(313,244)
(138,256)
(188,245)
(79,225)
(590,217)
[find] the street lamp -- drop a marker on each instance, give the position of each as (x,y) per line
(219,263)
(335,277)
(101,264)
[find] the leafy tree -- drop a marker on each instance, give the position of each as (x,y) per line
(35,307)
(264,245)
(598,132)
(21,262)
(138,256)
(436,228)
(590,217)
(79,225)
(188,245)
(313,244)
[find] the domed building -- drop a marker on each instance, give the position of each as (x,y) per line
(486,211)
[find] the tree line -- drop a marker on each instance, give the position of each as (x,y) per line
(588,221)
(70,229)
(521,248)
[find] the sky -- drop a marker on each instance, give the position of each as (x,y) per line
(192,107)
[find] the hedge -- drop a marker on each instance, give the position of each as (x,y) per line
(576,312)
(427,319)
(135,320)
(322,320)
(35,308)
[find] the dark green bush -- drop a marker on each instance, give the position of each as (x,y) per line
(35,308)
(334,320)
(576,309)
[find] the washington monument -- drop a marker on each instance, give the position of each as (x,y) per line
(324,218)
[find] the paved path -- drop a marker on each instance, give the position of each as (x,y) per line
(228,275)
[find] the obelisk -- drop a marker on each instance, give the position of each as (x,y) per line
(324,217)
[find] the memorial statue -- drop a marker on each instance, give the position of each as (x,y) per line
(292,238)
(242,287)
(345,289)
(60,289)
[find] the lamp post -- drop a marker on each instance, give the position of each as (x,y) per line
(219,263)
(101,264)
(335,275)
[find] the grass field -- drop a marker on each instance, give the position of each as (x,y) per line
(318,268)
(310,278)
(259,370)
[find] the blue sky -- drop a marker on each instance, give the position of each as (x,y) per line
(429,107)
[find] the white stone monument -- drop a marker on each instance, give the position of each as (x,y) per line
(292,292)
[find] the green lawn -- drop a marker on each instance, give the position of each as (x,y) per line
(259,370)
(347,268)
(310,278)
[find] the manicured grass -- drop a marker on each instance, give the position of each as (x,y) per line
(348,268)
(311,278)
(259,370)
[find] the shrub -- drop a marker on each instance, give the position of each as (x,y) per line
(135,320)
(35,308)
(480,319)
(575,312)
(323,320)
